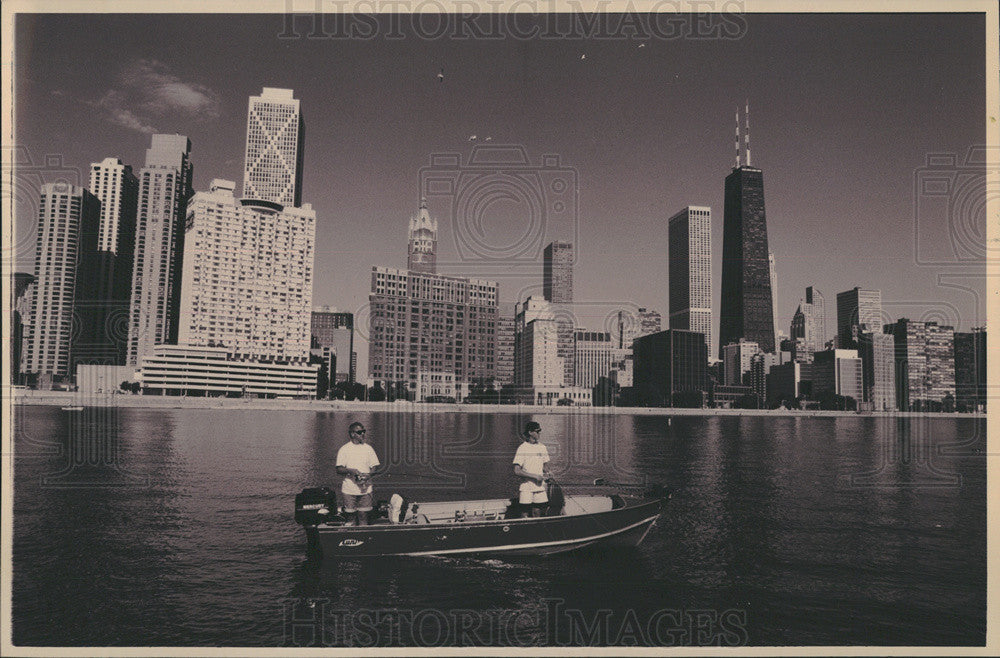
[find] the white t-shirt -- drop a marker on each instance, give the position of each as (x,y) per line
(360,456)
(532,457)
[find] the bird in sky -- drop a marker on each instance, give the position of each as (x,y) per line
(441,76)
(489,139)
(642,45)
(583,56)
(472,138)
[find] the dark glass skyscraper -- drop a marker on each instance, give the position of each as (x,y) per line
(746,310)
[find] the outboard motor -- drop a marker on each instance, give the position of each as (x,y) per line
(316,505)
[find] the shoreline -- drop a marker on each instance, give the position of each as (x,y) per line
(130,401)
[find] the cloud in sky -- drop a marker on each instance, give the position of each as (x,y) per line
(146,92)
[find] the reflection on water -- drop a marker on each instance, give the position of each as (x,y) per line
(178,531)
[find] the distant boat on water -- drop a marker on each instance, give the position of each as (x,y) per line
(77,407)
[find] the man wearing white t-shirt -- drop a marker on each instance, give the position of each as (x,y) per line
(529,465)
(357,462)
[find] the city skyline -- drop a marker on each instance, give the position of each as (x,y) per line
(359,227)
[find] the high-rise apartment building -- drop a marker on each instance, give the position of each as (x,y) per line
(878,363)
(117,188)
(422,248)
(247,276)
(431,323)
(504,352)
(690,266)
(970,369)
(557,273)
(164,190)
(858,311)
(274,150)
(746,309)
(69,220)
(925,364)
(334,331)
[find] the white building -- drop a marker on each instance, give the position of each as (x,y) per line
(275,133)
(595,356)
(65,252)
(690,266)
(164,189)
(247,276)
(116,186)
(215,372)
(536,345)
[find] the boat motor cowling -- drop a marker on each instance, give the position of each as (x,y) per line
(315,505)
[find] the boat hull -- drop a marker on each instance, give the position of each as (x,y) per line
(549,535)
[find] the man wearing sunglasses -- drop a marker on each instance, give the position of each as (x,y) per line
(357,462)
(529,465)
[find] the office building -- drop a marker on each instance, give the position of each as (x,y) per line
(557,273)
(247,276)
(164,190)
(421,254)
(857,311)
(671,369)
(817,305)
(431,323)
(595,355)
(773,277)
(690,266)
(761,364)
(785,382)
(838,372)
(746,309)
(274,148)
(736,361)
(878,362)
(334,331)
(970,370)
(69,220)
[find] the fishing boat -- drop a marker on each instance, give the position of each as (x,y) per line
(489,527)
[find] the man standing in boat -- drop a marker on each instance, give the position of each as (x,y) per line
(357,462)
(529,465)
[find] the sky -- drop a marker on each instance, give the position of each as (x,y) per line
(845,112)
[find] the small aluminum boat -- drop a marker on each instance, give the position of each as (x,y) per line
(489,527)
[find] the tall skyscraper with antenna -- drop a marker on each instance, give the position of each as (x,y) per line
(746,309)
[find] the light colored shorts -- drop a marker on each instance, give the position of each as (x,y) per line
(538,497)
(358,503)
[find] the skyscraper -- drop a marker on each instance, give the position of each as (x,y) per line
(20,317)
(557,273)
(117,188)
(858,311)
(275,144)
(690,265)
(247,276)
(970,369)
(773,277)
(816,299)
(69,220)
(747,308)
(504,351)
(878,364)
(671,368)
(164,189)
(421,251)
(335,330)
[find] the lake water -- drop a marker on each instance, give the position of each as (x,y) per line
(142,527)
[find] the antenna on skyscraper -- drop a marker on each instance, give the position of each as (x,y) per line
(737,138)
(747,136)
